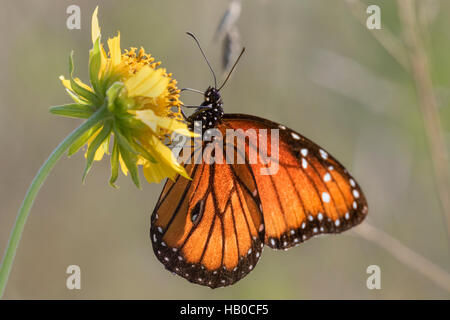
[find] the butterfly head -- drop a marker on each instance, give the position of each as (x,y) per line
(210,111)
(212,97)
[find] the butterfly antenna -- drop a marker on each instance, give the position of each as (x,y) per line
(234,65)
(204,56)
(192,90)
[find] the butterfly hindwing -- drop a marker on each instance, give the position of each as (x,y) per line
(203,230)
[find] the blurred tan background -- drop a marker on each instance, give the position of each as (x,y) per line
(309,65)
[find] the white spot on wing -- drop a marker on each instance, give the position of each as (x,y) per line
(323,154)
(325,197)
(352,182)
(356,194)
(304,163)
(304,152)
(295,136)
(327,177)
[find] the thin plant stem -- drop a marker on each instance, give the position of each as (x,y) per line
(404,254)
(420,70)
(33,190)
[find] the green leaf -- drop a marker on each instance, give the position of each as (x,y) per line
(74,110)
(81,141)
(114,164)
(104,133)
(130,160)
(94,65)
(78,89)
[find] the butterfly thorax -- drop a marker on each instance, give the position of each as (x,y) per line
(210,111)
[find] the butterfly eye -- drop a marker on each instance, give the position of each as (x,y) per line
(197,212)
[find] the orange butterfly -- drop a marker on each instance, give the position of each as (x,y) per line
(212,229)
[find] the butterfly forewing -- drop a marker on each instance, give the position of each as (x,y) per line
(310,194)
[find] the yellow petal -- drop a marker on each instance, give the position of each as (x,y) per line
(152,120)
(147,82)
(154,173)
(95,29)
(114,50)
(99,154)
(65,82)
(123,167)
(167,164)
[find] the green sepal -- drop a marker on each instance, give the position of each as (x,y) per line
(112,94)
(108,80)
(128,120)
(114,164)
(75,97)
(95,62)
(123,142)
(98,141)
(78,89)
(73,110)
(106,144)
(129,155)
(82,140)
(143,152)
(130,160)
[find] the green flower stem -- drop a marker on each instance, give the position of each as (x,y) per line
(33,190)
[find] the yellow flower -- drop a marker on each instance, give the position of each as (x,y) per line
(142,110)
